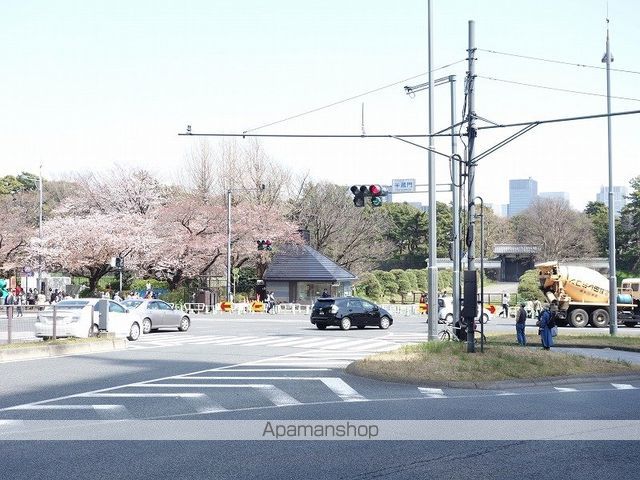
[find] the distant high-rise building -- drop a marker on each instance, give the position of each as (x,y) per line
(498,208)
(558,195)
(522,192)
(619,200)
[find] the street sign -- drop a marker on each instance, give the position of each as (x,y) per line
(403,185)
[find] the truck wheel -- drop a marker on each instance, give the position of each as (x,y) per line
(600,318)
(578,318)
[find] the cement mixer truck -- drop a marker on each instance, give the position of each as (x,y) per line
(583,295)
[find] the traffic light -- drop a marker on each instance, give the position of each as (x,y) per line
(373,191)
(358,195)
(264,245)
(376,194)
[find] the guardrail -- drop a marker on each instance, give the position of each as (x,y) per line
(402,309)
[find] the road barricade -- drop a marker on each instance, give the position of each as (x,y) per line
(226,306)
(257,307)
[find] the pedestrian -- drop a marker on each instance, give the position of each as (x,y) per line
(20,300)
(271,302)
(41,299)
(117,297)
(31,297)
(521,320)
(325,294)
(536,308)
(505,305)
(10,301)
(544,328)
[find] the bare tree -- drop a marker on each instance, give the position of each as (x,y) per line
(496,230)
(198,172)
(246,168)
(560,231)
(352,237)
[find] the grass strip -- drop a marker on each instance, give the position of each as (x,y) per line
(449,361)
(568,339)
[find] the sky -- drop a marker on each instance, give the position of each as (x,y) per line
(87,85)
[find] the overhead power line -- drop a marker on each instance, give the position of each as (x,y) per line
(314,110)
(565,90)
(561,62)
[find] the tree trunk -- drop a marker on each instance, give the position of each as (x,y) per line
(95,274)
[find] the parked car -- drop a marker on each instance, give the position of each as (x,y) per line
(347,312)
(445,311)
(155,314)
(81,318)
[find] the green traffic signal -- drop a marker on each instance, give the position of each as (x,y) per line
(376,201)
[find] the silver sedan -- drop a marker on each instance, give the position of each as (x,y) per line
(156,314)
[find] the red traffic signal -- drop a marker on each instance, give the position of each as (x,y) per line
(375,190)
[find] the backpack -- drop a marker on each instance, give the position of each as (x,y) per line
(552,320)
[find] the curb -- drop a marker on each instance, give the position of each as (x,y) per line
(46,351)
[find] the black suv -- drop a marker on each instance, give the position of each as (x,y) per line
(347,312)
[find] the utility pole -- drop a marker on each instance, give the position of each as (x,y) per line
(228,245)
(40,227)
(455,187)
(471,304)
(613,283)
(432,268)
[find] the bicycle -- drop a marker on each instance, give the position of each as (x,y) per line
(450,333)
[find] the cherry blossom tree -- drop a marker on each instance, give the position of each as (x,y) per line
(120,190)
(84,245)
(191,238)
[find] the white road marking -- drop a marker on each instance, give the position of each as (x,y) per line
(565,390)
(276,370)
(277,396)
(623,386)
(104,411)
(201,402)
(342,389)
(432,392)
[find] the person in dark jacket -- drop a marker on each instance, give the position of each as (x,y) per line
(544,330)
(520,324)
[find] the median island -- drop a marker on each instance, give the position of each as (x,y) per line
(448,363)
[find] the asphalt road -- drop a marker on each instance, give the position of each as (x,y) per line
(152,410)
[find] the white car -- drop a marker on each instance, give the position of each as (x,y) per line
(445,311)
(81,318)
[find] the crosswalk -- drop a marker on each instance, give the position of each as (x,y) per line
(375,344)
(286,381)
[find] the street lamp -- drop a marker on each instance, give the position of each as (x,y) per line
(229,191)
